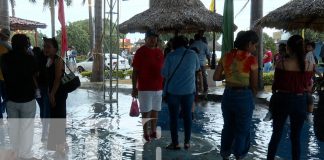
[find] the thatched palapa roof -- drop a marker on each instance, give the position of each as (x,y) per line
(296,14)
(24,24)
(167,16)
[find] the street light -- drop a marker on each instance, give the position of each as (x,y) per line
(213,60)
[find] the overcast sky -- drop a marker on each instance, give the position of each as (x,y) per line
(77,11)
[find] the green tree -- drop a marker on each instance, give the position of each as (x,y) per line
(208,35)
(268,43)
(310,35)
(91,24)
(46,3)
(77,36)
(40,36)
(51,4)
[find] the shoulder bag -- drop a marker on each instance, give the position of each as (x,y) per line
(165,96)
(69,81)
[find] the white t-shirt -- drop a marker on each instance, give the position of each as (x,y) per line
(68,53)
(310,57)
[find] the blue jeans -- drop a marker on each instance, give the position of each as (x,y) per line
(284,105)
(45,110)
(44,103)
(267,67)
(174,103)
(72,60)
(237,108)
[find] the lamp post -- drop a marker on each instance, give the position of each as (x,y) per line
(213,60)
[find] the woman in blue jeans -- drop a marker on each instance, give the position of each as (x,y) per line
(240,69)
(43,100)
(291,79)
(182,63)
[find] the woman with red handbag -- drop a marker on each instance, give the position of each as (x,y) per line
(147,82)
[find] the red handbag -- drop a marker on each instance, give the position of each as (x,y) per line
(134,110)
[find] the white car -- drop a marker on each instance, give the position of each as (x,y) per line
(122,63)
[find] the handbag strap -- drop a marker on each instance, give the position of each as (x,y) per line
(65,65)
(176,68)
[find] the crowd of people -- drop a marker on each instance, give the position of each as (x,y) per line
(172,78)
(29,75)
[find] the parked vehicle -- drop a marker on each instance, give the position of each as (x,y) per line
(122,63)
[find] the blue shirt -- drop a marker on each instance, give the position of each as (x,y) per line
(183,80)
(203,51)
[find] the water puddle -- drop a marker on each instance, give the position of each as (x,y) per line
(105,131)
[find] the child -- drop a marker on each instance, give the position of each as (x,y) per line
(310,46)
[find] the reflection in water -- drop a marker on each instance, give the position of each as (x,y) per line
(2,133)
(103,131)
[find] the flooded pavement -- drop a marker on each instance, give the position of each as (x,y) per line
(106,131)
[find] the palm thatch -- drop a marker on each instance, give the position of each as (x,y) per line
(167,16)
(24,24)
(296,14)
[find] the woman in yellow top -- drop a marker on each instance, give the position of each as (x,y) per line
(239,68)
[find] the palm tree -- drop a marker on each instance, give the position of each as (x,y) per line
(4,14)
(151,3)
(13,4)
(257,13)
(91,28)
(51,4)
(98,66)
(46,3)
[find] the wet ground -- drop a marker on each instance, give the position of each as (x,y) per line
(106,131)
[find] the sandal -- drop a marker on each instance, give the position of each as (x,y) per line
(186,145)
(173,147)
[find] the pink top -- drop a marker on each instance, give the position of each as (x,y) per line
(291,81)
